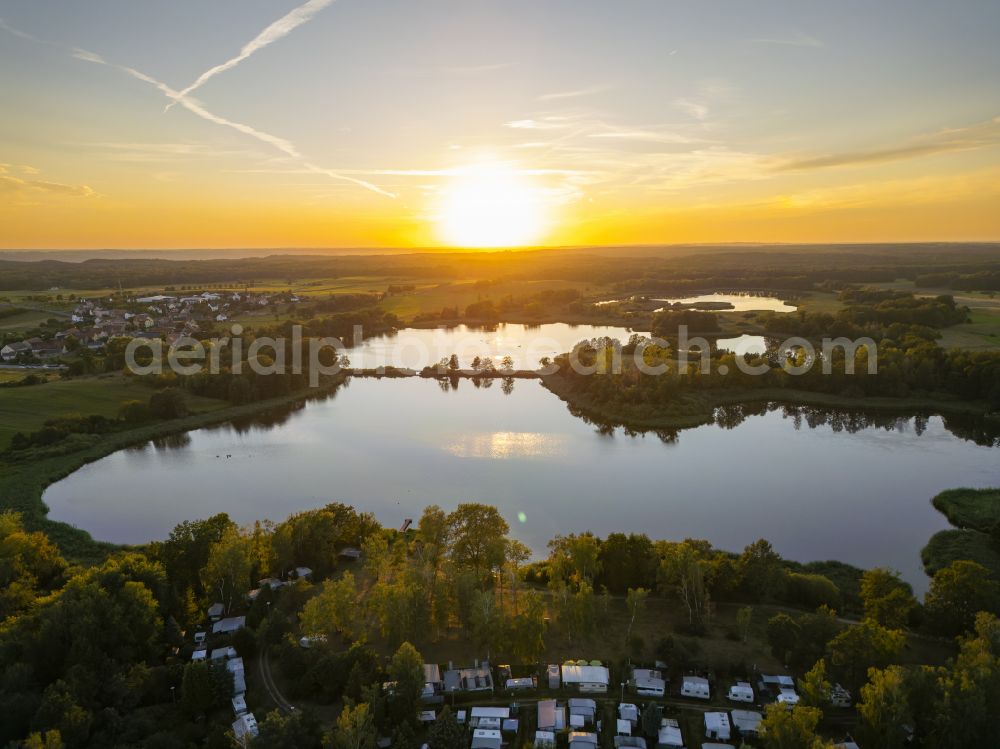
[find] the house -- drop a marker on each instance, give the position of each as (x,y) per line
(770,686)
(44,349)
(717,726)
(747,723)
(520,684)
(488,717)
(245,728)
(741,691)
(669,734)
(586,709)
(199,655)
(302,572)
(433,685)
(224,654)
(239,704)
(13,350)
(630,742)
(788,697)
(553,673)
(623,728)
(199,638)
(582,740)
(510,725)
(695,686)
(545,740)
(350,554)
(215,612)
(629,712)
(235,667)
(551,716)
(586,678)
(648,682)
(475,679)
(840,697)
(229,625)
(483,738)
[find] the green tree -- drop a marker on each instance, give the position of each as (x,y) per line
(859,648)
(478,538)
(969,690)
(888,600)
(197,690)
(682,572)
(355,728)
(814,689)
(885,709)
(333,611)
(299,730)
(407,671)
(447,733)
(791,729)
(761,571)
(957,593)
(227,572)
(782,635)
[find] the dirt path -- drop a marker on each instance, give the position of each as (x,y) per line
(272,689)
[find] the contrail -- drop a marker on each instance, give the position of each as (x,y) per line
(280,28)
(195,107)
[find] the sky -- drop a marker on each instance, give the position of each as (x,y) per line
(329,123)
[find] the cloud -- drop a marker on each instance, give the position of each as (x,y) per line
(195,107)
(980,135)
(797,39)
(277,30)
(16,184)
(589,91)
(692,108)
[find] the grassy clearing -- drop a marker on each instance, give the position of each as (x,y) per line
(23,322)
(983,332)
(26,409)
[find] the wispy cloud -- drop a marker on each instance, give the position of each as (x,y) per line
(286,147)
(979,135)
(277,30)
(694,109)
(575,94)
(10,183)
(796,39)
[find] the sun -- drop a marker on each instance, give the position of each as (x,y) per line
(491,205)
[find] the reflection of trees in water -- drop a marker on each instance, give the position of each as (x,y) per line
(977,429)
(172,441)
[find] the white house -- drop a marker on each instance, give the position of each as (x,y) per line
(488,717)
(235,667)
(245,728)
(215,611)
(199,655)
(545,740)
(224,654)
(695,686)
(741,691)
(229,625)
(586,678)
(586,709)
(669,734)
(648,682)
(239,704)
(629,712)
(486,739)
(717,726)
(13,350)
(747,722)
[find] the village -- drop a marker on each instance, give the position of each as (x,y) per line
(169,317)
(576,704)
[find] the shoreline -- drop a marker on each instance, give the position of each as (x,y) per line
(24,482)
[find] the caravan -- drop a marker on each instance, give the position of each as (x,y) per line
(695,686)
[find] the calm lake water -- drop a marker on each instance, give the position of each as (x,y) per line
(740,302)
(393,446)
(416,348)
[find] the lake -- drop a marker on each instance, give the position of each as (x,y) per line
(739,302)
(416,348)
(393,446)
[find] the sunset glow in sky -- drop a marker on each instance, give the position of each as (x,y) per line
(325,123)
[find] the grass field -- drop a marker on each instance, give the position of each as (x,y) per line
(20,323)
(27,409)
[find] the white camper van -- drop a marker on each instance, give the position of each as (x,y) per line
(695,686)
